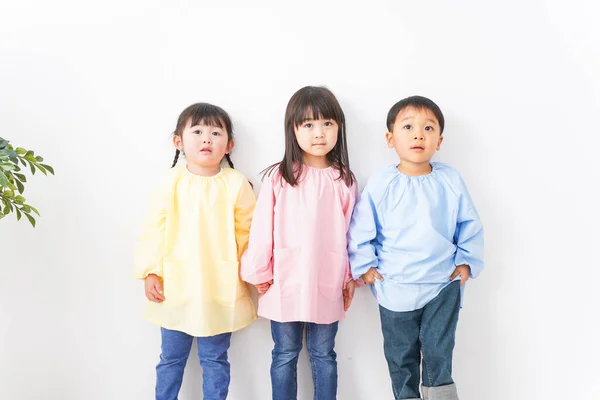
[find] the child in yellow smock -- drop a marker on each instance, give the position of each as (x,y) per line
(188,254)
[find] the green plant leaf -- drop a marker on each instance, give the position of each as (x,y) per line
(35,210)
(6,209)
(31,220)
(20,151)
(13,156)
(19,199)
(9,194)
(39,158)
(3,179)
(26,209)
(7,166)
(18,214)
(20,177)
(20,187)
(41,169)
(32,168)
(49,168)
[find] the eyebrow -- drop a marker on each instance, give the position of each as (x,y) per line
(206,126)
(411,117)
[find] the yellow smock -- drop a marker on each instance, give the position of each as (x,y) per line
(194,234)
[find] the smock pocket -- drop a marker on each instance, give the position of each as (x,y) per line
(227,287)
(331,275)
(286,276)
(175,283)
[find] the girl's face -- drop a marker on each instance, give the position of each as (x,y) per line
(204,147)
(415,136)
(316,138)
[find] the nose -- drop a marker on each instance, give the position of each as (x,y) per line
(206,139)
(419,135)
(319,132)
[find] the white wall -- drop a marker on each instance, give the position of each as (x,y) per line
(96,89)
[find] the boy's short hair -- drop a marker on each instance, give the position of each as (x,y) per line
(418,102)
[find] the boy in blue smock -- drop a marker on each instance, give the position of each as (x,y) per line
(416,238)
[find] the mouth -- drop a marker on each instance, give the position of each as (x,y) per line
(318,144)
(417,148)
(205,150)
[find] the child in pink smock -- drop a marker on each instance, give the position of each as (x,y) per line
(297,255)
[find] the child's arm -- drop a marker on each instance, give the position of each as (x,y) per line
(244,208)
(150,246)
(149,249)
(468,238)
(348,211)
(362,231)
(257,261)
(349,283)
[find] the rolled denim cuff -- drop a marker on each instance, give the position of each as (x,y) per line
(446,392)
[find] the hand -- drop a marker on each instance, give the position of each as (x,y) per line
(348,294)
(263,287)
(370,276)
(154,288)
(464,271)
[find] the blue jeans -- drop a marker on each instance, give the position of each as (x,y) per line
(320,341)
(175,349)
(429,331)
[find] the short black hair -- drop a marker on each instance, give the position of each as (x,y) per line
(418,102)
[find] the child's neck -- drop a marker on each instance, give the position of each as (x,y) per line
(316,161)
(414,169)
(203,170)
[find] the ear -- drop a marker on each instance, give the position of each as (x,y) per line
(440,140)
(389,138)
(229,147)
(178,142)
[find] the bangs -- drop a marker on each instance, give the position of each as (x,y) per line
(204,114)
(207,116)
(316,107)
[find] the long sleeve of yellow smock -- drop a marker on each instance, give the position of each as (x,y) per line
(151,242)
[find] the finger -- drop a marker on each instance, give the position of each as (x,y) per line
(158,287)
(270,282)
(156,294)
(152,298)
(454,274)
(376,275)
(463,278)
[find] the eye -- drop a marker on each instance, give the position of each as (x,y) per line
(215,133)
(196,132)
(429,128)
(308,125)
(328,123)
(407,127)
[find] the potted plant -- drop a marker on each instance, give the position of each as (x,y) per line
(12,180)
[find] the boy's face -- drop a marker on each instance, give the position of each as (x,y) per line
(415,135)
